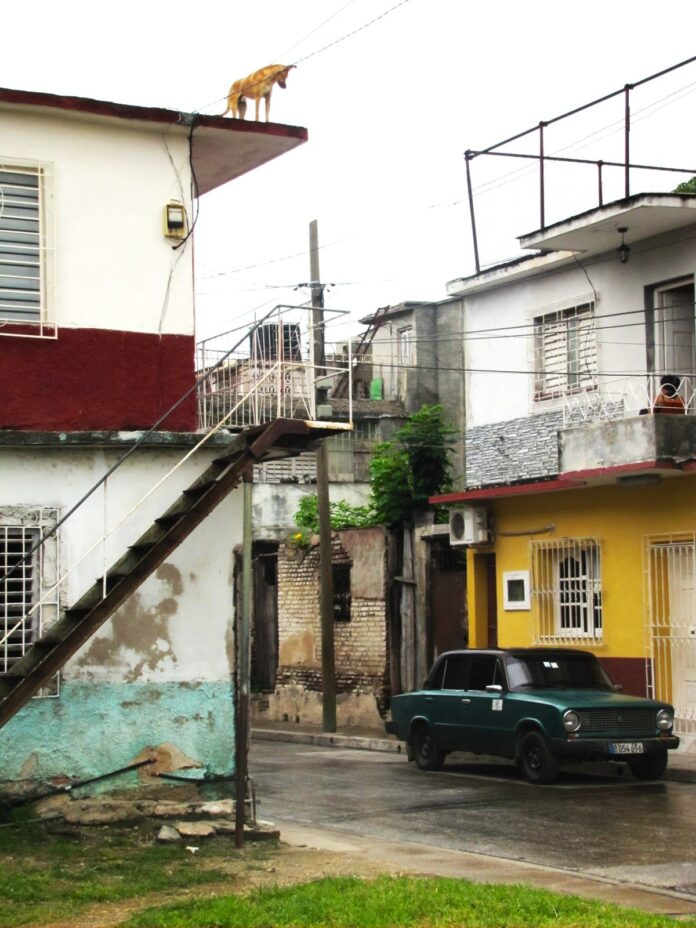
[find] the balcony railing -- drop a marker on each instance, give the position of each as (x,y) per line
(272,376)
(627,397)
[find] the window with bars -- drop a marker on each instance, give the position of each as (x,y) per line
(18,592)
(20,244)
(566,590)
(565,351)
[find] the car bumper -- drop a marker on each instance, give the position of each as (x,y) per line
(599,747)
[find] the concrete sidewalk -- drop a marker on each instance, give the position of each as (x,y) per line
(681,768)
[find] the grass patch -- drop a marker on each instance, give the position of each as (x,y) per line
(391,902)
(50,873)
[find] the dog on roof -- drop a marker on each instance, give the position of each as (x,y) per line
(256,86)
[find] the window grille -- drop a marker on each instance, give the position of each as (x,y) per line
(565,351)
(18,592)
(566,591)
(670,594)
(29,598)
(26,260)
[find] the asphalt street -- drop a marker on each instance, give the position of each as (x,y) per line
(609,827)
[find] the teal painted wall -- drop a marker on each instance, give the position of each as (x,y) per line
(93,728)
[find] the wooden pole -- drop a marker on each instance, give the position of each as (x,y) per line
(243,670)
(328,660)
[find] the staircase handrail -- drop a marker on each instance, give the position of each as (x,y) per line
(193,389)
(133,508)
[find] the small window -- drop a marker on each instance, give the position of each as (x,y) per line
(341,592)
(516,590)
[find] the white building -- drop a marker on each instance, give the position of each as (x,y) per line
(97,203)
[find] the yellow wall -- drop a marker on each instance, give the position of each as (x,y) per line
(620,518)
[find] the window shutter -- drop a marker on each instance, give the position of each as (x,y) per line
(20,246)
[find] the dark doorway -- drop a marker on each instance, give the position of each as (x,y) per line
(448,612)
(264,648)
(492,597)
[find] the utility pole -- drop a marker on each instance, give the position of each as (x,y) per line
(328,660)
(243,670)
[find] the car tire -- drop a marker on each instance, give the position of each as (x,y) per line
(650,767)
(427,755)
(538,763)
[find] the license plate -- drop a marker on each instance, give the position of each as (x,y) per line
(626,747)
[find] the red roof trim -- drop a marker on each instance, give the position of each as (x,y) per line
(572,480)
(145,113)
(518,489)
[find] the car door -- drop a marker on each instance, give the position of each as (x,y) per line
(487,731)
(448,708)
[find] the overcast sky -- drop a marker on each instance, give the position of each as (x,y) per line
(390,111)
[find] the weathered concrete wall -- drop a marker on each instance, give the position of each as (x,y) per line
(160,670)
(628,441)
(360,644)
(275,505)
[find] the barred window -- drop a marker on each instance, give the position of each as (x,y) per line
(566,590)
(565,351)
(20,244)
(18,592)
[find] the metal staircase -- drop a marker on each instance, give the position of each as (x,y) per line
(279,438)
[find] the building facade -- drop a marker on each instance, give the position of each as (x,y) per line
(97,204)
(583,488)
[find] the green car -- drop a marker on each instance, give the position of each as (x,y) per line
(538,706)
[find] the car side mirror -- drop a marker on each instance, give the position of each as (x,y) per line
(618,687)
(494,688)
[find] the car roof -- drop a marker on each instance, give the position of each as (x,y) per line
(517,651)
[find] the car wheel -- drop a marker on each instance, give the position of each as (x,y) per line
(537,762)
(650,767)
(427,755)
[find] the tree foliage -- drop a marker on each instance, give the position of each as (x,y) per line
(343,515)
(688,186)
(415,466)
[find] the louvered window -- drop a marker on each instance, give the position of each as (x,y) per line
(18,592)
(565,351)
(20,245)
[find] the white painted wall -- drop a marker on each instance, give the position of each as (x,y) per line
(191,599)
(275,505)
(110,181)
(495,396)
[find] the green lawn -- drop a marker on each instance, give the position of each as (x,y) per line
(390,902)
(50,873)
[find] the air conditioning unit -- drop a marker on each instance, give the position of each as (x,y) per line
(468,526)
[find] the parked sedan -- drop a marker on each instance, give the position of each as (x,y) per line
(539,706)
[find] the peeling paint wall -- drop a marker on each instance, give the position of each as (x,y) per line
(160,670)
(360,644)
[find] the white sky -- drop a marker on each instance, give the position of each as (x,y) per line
(390,112)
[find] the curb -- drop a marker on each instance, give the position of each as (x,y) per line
(360,742)
(329,740)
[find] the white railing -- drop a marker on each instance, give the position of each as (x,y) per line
(274,376)
(626,397)
(247,388)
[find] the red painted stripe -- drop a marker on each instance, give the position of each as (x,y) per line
(96,379)
(518,489)
(619,469)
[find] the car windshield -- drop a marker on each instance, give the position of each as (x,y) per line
(556,671)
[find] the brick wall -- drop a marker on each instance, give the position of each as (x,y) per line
(360,644)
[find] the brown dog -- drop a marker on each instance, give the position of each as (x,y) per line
(254,87)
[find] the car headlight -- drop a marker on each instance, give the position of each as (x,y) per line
(665,719)
(571,721)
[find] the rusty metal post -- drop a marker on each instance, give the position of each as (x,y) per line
(467,157)
(599,182)
(627,140)
(541,176)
